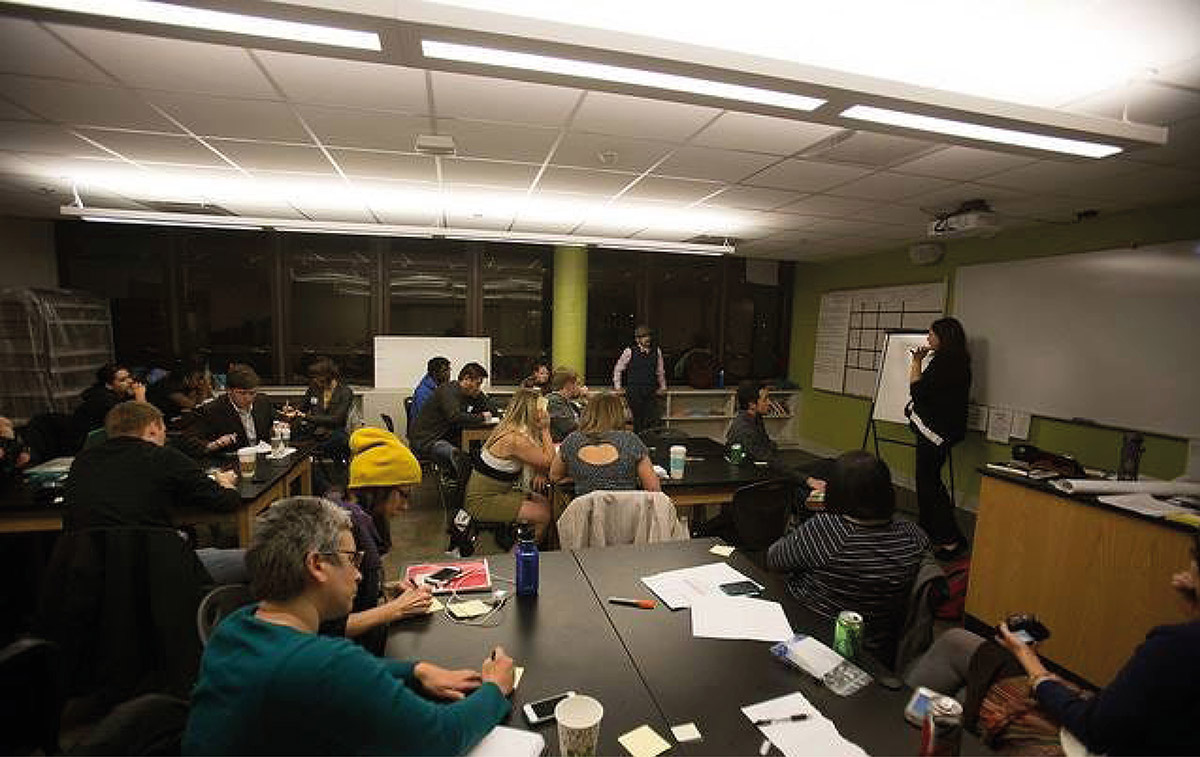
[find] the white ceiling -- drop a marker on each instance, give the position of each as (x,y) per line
(129,119)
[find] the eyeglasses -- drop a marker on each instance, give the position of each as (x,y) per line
(355,558)
(245,392)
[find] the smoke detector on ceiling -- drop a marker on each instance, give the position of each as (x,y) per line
(436,144)
(607,157)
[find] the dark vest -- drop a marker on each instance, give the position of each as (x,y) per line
(643,367)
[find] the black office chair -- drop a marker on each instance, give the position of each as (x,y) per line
(387,421)
(217,604)
(761,514)
(662,436)
(151,724)
(32,692)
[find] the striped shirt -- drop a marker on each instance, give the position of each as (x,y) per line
(838,564)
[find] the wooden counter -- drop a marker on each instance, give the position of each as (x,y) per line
(1098,578)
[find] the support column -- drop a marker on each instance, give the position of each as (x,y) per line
(569,331)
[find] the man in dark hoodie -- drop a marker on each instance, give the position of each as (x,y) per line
(114,385)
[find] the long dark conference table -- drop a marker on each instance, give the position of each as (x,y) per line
(645,666)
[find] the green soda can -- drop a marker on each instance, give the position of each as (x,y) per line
(736,455)
(848,634)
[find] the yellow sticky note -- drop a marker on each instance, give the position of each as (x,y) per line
(518,671)
(644,742)
(435,606)
(471,609)
(724,550)
(685,732)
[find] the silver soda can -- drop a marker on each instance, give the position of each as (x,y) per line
(848,634)
(941,731)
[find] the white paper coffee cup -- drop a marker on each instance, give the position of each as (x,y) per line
(578,725)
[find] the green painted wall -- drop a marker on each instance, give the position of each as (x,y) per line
(837,421)
(569,331)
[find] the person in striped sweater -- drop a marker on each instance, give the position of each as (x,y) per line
(855,555)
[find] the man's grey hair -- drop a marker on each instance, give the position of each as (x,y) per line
(284,536)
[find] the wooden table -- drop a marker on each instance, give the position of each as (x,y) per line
(273,480)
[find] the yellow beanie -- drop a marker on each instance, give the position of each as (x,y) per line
(379,459)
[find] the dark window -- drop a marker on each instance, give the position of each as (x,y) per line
(225,287)
(614,282)
(427,288)
(685,304)
(757,330)
(330,281)
(516,308)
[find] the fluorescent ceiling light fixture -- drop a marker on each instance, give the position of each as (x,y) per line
(216,21)
(979,132)
(619,74)
(184,221)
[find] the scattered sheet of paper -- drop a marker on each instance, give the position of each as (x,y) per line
(686,732)
(282,454)
(644,742)
(503,741)
(717,616)
(724,550)
(977,417)
(472,609)
(518,671)
(1143,503)
(677,588)
(261,447)
(1020,425)
(815,736)
(999,425)
(435,606)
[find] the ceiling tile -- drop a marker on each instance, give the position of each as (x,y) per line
(671,190)
(469,208)
(553,213)
(402,202)
(584,151)
(11,112)
(890,187)
(949,198)
(146,62)
(263,209)
(479,139)
(665,235)
(1182,148)
(1014,211)
(1144,103)
(266,156)
(339,214)
(868,149)
(490,99)
(1058,177)
(26,48)
(963,163)
(806,176)
(209,116)
(146,147)
(27,136)
(827,205)
(1146,185)
(754,198)
(331,81)
(896,214)
(718,165)
(82,104)
(386,165)
(624,115)
(582,181)
(786,221)
(755,133)
(488,173)
(1185,73)
(370,130)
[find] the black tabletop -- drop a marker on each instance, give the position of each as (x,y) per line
(562,638)
(267,471)
(706,466)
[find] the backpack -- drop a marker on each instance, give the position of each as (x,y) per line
(957,574)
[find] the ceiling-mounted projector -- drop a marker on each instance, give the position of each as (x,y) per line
(972,219)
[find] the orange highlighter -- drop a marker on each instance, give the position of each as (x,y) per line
(645,604)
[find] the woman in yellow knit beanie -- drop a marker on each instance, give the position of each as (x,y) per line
(382,474)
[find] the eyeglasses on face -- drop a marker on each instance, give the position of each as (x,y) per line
(355,558)
(245,392)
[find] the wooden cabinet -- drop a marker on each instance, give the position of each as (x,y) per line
(1098,578)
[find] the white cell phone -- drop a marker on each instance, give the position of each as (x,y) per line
(442,577)
(543,709)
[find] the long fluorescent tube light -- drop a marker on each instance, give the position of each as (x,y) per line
(154,218)
(585,69)
(979,132)
(216,21)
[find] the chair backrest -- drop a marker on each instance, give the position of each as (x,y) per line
(50,435)
(151,724)
(31,689)
(607,518)
(217,604)
(660,435)
(387,421)
(761,512)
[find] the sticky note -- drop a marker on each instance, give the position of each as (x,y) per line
(685,732)
(518,671)
(724,550)
(471,609)
(644,742)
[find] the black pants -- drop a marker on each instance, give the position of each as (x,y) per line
(643,405)
(937,511)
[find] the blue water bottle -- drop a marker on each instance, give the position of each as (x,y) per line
(721,379)
(527,561)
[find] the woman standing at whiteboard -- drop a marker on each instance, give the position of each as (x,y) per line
(938,415)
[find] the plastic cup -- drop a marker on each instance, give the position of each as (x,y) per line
(578,725)
(247,461)
(678,460)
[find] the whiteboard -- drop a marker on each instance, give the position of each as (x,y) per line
(891,393)
(1111,336)
(402,361)
(852,325)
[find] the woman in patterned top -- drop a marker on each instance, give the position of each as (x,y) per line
(601,455)
(855,556)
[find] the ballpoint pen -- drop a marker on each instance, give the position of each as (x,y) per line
(777,721)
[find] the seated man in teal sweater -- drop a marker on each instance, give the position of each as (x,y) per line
(269,684)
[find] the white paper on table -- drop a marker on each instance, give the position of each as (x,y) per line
(717,616)
(815,736)
(503,741)
(1143,503)
(1020,425)
(999,425)
(679,588)
(261,447)
(286,451)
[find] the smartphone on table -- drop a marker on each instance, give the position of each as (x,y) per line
(543,709)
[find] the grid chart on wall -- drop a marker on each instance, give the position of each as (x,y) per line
(852,329)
